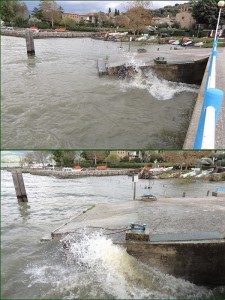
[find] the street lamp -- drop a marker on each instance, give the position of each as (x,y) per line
(220,5)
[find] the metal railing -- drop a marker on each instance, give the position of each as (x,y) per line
(213,98)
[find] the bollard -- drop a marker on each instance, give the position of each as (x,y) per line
(208,193)
(29,42)
(19,186)
(183,194)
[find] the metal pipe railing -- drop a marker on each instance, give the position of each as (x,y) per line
(205,137)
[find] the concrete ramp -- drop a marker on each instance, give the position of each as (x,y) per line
(187,236)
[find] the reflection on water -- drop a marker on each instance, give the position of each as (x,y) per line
(57,100)
(24,210)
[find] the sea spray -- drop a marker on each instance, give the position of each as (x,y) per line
(160,89)
(97,268)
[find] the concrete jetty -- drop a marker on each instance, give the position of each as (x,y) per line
(185,65)
(186,236)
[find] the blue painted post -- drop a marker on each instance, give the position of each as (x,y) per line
(213,97)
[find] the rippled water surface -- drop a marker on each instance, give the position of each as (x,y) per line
(57,100)
(96,268)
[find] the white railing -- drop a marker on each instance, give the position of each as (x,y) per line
(205,137)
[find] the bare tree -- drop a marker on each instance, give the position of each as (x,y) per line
(41,157)
(139,15)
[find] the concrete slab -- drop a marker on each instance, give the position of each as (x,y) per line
(166,215)
(188,236)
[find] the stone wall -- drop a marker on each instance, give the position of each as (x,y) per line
(74,174)
(45,34)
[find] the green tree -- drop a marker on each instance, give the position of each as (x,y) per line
(95,156)
(57,155)
(206,12)
(7,13)
(113,158)
(52,12)
(12,11)
(64,158)
(37,12)
(33,21)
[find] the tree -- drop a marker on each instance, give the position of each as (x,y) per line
(113,158)
(29,158)
(206,12)
(38,12)
(101,18)
(12,10)
(122,21)
(64,158)
(139,15)
(33,21)
(68,22)
(41,157)
(95,156)
(52,12)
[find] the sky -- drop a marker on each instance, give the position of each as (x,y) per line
(81,7)
(12,156)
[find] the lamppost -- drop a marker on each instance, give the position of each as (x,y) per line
(220,5)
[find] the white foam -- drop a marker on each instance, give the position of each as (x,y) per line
(97,268)
(160,89)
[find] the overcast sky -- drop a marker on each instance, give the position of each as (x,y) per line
(95,6)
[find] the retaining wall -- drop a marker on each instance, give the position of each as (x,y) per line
(202,263)
(72,174)
(46,34)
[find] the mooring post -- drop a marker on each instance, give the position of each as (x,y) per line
(134,180)
(208,192)
(29,42)
(184,194)
(19,186)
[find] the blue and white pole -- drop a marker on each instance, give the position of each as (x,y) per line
(213,98)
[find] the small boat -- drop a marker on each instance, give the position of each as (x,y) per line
(141,50)
(148,197)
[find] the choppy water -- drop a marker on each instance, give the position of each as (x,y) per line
(95,268)
(57,100)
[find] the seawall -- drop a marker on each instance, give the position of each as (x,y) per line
(47,34)
(76,174)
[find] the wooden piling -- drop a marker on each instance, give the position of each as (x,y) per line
(19,186)
(29,42)
(184,194)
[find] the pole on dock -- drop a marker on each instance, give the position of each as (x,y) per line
(134,180)
(130,39)
(19,186)
(30,42)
